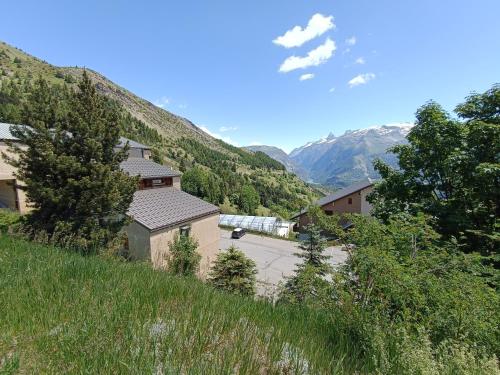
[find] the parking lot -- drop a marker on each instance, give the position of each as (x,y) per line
(275,258)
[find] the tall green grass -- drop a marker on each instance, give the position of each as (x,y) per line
(64,313)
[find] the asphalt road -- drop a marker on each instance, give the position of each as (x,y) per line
(274,257)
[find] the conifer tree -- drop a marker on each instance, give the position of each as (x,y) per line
(308,282)
(70,166)
(312,250)
(233,272)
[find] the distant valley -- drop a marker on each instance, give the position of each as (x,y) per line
(340,161)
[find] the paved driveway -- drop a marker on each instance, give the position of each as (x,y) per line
(274,257)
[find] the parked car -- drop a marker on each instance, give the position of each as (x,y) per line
(238,233)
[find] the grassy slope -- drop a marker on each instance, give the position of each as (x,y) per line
(170,126)
(61,312)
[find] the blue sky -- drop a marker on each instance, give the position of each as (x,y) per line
(215,62)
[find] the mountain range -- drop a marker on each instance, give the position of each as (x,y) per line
(340,161)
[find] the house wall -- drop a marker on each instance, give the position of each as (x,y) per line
(366,207)
(10,185)
(6,170)
(342,205)
(176,182)
(139,246)
(155,245)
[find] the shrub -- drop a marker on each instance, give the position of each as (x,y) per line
(403,274)
(8,218)
(183,258)
(234,272)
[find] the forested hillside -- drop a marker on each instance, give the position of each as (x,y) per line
(236,179)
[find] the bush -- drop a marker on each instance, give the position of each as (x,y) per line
(233,272)
(183,258)
(8,218)
(402,274)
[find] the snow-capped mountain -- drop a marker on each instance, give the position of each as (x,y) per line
(343,160)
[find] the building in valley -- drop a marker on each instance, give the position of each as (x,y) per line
(352,199)
(160,209)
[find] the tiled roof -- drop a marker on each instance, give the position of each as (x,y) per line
(146,168)
(5,132)
(344,192)
(165,207)
(132,144)
(339,194)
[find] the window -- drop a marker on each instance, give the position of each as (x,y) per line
(329,212)
(158,182)
(185,230)
(149,183)
(349,201)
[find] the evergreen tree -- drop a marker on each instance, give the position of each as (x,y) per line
(312,248)
(70,166)
(183,258)
(233,272)
(308,282)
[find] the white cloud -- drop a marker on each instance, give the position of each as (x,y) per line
(183,106)
(315,57)
(332,89)
(351,41)
(305,77)
(256,143)
(361,79)
(360,61)
(228,128)
(162,102)
(317,25)
(218,136)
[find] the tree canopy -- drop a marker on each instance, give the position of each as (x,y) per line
(449,170)
(70,167)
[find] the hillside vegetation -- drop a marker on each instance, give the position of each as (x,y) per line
(176,141)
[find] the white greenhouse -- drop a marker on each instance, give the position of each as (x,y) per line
(265,224)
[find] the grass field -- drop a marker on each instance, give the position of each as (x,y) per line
(64,313)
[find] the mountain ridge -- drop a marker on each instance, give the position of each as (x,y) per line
(338,161)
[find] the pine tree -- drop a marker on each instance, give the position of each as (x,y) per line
(312,250)
(308,282)
(233,272)
(71,168)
